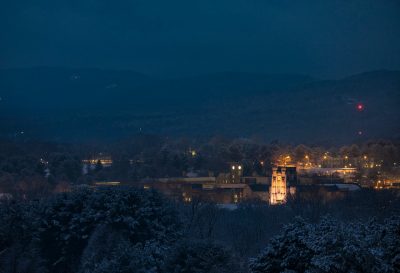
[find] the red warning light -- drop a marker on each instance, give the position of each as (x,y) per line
(360,107)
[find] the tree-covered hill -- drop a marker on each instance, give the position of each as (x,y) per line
(87,104)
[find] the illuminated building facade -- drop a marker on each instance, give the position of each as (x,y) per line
(236,173)
(105,161)
(90,164)
(291,174)
(278,189)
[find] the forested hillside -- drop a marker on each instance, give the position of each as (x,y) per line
(87,104)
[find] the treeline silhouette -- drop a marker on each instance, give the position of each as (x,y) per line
(35,169)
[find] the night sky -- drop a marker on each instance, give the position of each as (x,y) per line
(326,39)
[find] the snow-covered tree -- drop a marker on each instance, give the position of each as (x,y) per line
(332,246)
(201,257)
(65,229)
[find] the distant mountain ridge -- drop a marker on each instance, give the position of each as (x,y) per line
(106,104)
(45,86)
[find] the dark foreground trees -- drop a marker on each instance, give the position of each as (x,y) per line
(88,231)
(124,230)
(191,256)
(332,246)
(119,230)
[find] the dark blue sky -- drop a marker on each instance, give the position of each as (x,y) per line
(329,38)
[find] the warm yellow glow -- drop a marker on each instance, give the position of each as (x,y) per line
(95,161)
(233,167)
(240,167)
(287,159)
(278,188)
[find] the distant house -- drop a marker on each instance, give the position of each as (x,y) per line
(91,163)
